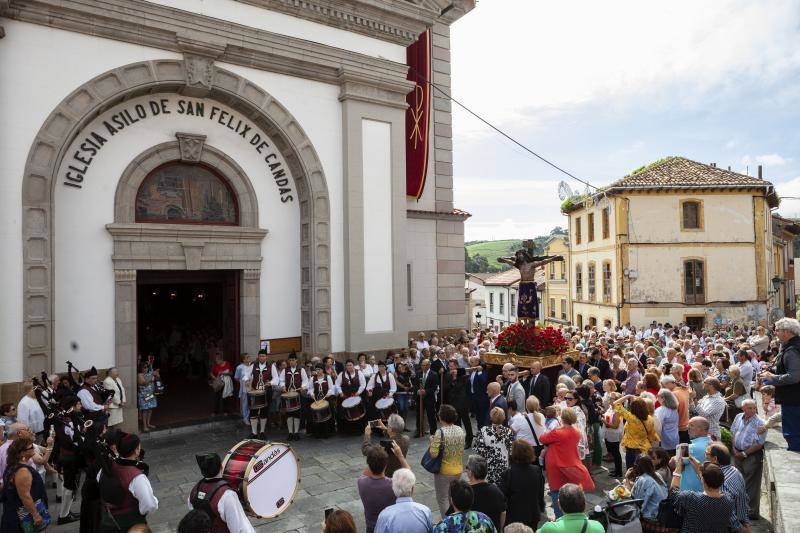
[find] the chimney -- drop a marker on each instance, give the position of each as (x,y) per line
(759,172)
(714,165)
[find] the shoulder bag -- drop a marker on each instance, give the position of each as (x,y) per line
(668,516)
(433,464)
(538,448)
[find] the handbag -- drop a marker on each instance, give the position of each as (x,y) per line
(538,448)
(216,384)
(433,464)
(668,516)
(26,518)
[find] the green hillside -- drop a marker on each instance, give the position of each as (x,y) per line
(491,250)
(481,256)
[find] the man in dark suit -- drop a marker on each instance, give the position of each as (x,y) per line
(427,389)
(455,393)
(599,363)
(539,385)
(496,399)
(478,399)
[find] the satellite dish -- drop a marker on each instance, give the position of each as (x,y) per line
(564,191)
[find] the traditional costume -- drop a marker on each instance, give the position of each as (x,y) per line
(262,377)
(293,379)
(67,452)
(213,495)
(322,388)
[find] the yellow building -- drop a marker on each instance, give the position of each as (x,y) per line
(677,241)
(556,295)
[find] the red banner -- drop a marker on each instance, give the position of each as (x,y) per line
(418,56)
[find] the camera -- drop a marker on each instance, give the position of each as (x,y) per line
(386,444)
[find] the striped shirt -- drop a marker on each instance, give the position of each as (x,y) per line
(735,489)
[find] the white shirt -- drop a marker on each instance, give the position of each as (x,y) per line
(141,489)
(522,430)
(367,370)
(312,391)
(247,375)
(362,381)
(746,371)
(231,512)
(30,412)
(87,401)
(119,391)
(421,345)
(303,377)
(389,377)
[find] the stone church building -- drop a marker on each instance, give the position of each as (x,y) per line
(180,177)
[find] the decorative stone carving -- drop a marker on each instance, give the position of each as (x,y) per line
(251,274)
(199,75)
(191,146)
(194,254)
(124,275)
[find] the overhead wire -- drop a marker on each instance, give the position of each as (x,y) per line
(500,131)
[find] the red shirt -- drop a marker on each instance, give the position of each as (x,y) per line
(563,465)
(219,368)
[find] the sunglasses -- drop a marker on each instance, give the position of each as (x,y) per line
(569,398)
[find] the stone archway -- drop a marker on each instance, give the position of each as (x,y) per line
(194,76)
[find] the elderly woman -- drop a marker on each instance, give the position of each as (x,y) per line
(120,398)
(667,417)
(563,464)
(493,443)
(449,441)
(736,392)
(23,487)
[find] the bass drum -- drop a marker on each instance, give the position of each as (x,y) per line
(266,476)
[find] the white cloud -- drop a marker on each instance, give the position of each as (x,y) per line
(517,61)
(789,208)
(771,160)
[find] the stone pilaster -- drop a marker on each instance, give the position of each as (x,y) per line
(125,341)
(451,307)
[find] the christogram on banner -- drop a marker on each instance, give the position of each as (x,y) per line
(418,114)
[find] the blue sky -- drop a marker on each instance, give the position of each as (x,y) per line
(602,88)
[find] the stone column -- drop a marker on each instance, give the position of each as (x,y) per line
(250,298)
(367,101)
(125,343)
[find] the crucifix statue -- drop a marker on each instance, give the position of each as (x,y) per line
(527,263)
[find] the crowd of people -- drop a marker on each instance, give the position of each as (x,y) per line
(670,410)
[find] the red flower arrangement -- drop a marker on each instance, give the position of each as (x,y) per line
(529,339)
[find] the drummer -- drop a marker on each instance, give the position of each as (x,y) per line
(261,378)
(293,379)
(322,388)
(214,496)
(381,385)
(349,384)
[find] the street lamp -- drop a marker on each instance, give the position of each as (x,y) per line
(478,317)
(776,283)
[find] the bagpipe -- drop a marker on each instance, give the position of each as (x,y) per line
(105,394)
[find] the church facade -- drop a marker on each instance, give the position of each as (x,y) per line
(246,157)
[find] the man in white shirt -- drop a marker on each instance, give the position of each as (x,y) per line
(29,412)
(128,473)
(214,496)
(746,370)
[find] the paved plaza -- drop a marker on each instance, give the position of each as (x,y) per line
(329,472)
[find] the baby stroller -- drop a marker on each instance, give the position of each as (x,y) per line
(619,516)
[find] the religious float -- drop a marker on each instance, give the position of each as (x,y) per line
(524,342)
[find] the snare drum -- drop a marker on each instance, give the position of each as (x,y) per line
(290,402)
(353,409)
(257,399)
(266,476)
(385,407)
(320,411)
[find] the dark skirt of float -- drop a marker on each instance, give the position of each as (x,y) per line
(528,301)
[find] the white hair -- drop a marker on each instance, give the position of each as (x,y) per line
(396,424)
(789,324)
(403,481)
(518,527)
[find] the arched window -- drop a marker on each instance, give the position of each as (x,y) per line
(186,193)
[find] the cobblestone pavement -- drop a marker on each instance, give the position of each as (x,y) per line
(329,471)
